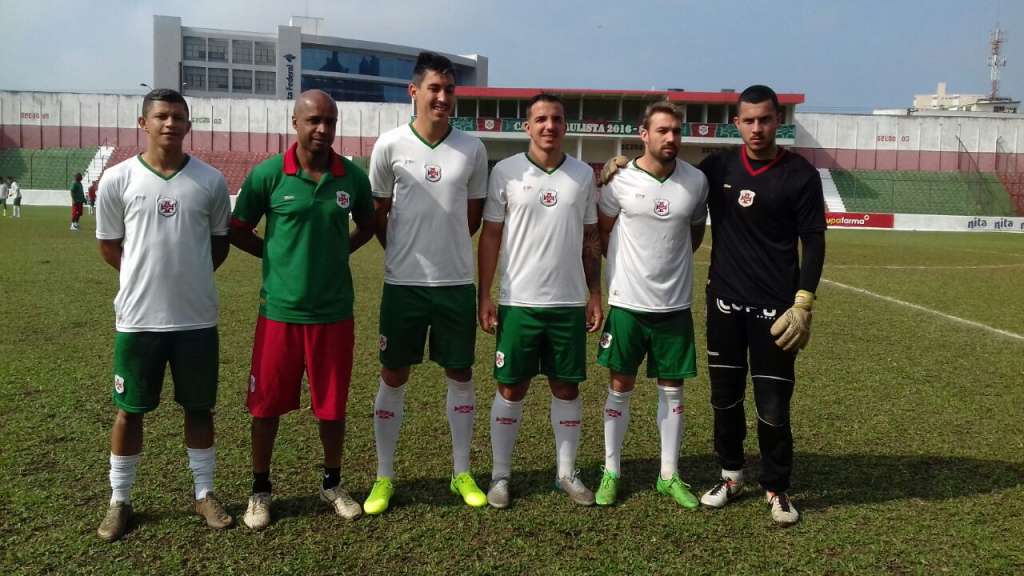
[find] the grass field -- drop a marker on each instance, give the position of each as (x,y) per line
(909,436)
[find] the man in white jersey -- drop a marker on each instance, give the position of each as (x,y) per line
(541,213)
(4,191)
(15,195)
(651,219)
(429,182)
(162,222)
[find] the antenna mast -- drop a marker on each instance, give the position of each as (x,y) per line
(996,60)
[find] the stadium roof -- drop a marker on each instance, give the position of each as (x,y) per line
(673,95)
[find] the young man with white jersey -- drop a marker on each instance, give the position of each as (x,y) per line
(651,220)
(541,216)
(14,192)
(429,182)
(162,222)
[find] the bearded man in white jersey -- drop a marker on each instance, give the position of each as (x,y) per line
(541,216)
(652,220)
(429,182)
(162,222)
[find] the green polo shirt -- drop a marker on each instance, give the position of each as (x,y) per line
(77,194)
(306,277)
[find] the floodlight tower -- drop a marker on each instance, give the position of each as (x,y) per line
(996,60)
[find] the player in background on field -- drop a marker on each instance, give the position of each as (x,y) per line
(4,192)
(77,200)
(91,196)
(162,223)
(541,216)
(305,316)
(652,220)
(429,183)
(764,201)
(15,193)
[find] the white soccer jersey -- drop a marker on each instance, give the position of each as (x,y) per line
(541,261)
(15,191)
(650,255)
(428,242)
(166,280)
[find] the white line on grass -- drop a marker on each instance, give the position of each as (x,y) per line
(950,317)
(919,267)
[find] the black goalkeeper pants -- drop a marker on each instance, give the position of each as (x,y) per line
(733,331)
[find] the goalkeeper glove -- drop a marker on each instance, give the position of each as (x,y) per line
(792,331)
(611,168)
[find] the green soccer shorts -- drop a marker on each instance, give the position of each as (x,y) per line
(549,341)
(141,358)
(408,314)
(665,338)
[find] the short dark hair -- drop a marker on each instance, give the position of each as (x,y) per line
(660,107)
(759,93)
(431,61)
(543,97)
(162,95)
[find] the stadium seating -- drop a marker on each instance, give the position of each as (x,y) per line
(235,165)
(46,169)
(922,193)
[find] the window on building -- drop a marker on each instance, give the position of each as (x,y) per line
(694,113)
(343,89)
(217,50)
(264,53)
(733,111)
(601,109)
(217,79)
(716,113)
(194,77)
(572,108)
(507,109)
(465,107)
(241,81)
(193,48)
(241,51)
(488,108)
(633,111)
(266,82)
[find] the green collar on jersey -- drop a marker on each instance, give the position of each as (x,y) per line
(543,169)
(424,140)
(162,177)
(660,180)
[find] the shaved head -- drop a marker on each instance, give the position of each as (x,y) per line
(312,99)
(315,119)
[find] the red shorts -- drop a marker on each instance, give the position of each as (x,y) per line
(76,210)
(280,353)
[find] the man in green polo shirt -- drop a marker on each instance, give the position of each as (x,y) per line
(305,319)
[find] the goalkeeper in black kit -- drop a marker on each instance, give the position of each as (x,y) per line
(763,202)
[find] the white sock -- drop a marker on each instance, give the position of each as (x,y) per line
(566,421)
(670,427)
(505,418)
(616,421)
(734,475)
(388,409)
(461,404)
(202,461)
(122,476)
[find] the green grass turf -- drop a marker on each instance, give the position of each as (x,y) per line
(921,193)
(909,438)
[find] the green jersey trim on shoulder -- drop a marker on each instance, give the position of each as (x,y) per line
(162,177)
(543,169)
(660,180)
(424,140)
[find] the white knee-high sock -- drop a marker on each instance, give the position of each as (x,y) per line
(566,421)
(670,427)
(461,405)
(122,476)
(388,409)
(616,421)
(505,418)
(202,461)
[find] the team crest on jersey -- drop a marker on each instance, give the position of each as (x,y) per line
(167,206)
(746,198)
(606,340)
(499,359)
(661,206)
(548,197)
(433,173)
(118,384)
(383,343)
(343,199)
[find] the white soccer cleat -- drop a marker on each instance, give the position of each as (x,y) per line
(574,488)
(722,493)
(498,494)
(783,511)
(341,502)
(257,514)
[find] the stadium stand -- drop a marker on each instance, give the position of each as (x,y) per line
(921,193)
(47,168)
(234,165)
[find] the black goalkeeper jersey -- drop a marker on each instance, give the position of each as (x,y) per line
(758,213)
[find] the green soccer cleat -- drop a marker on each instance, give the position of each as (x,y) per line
(465,486)
(380,496)
(608,491)
(679,491)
